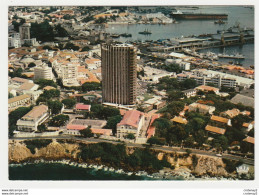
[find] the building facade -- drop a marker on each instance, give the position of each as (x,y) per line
(119,74)
(32,119)
(132,122)
(24,31)
(43,72)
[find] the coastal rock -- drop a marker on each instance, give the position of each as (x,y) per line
(212,166)
(18,151)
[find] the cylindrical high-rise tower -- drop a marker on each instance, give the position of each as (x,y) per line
(119,74)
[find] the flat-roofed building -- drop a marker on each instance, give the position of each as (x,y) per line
(18,101)
(119,74)
(201,108)
(31,120)
(207,88)
(215,130)
(132,122)
(82,107)
(189,93)
(180,120)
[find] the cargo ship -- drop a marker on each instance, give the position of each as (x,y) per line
(198,16)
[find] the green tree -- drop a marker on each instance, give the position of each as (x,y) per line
(91,86)
(44,82)
(10,95)
(42,31)
(71,46)
(130,136)
(59,120)
(14,116)
(112,123)
(60,31)
(154,140)
(55,106)
(188,84)
(69,103)
(47,47)
(42,128)
(174,95)
(86,48)
(189,142)
(87,132)
(175,107)
(31,65)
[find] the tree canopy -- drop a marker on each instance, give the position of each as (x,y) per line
(59,120)
(69,103)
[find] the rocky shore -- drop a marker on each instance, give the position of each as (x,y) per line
(184,167)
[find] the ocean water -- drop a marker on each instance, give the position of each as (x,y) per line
(55,171)
(240,14)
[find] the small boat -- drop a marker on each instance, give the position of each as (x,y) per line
(145,32)
(126,35)
(220,22)
(115,35)
(236,56)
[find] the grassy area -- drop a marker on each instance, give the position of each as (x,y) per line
(147,96)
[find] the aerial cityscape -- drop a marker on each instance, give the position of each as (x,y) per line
(131,92)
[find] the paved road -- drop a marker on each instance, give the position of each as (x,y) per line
(162,148)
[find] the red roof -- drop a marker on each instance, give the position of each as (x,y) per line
(102,131)
(131,118)
(151,128)
(75,127)
(83,107)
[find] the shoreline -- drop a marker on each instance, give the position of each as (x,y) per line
(180,174)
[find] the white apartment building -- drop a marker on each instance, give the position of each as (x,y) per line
(43,72)
(132,122)
(32,119)
(204,79)
(14,40)
(69,74)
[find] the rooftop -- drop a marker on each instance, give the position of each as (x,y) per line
(48,88)
(98,124)
(102,131)
(18,98)
(27,86)
(36,112)
(20,80)
(249,140)
(178,119)
(131,118)
(219,119)
(207,88)
(75,127)
(83,106)
(215,129)
(247,101)
(232,113)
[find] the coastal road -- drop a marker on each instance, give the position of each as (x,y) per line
(156,147)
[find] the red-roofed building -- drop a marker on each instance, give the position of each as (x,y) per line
(107,132)
(152,129)
(82,107)
(132,122)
